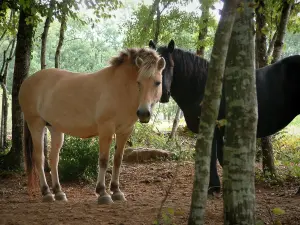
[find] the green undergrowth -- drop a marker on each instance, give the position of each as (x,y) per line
(286,148)
(79,157)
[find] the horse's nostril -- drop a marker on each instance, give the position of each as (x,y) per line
(168,93)
(147,114)
(138,113)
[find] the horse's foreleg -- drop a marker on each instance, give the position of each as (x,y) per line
(104,144)
(57,139)
(114,185)
(37,132)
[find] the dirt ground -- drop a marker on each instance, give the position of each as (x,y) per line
(144,186)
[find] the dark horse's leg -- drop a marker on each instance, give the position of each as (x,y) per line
(214,180)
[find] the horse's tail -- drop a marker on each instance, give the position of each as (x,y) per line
(29,159)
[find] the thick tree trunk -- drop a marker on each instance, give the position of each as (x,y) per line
(241,115)
(210,109)
(261,61)
(203,29)
(21,69)
(43,66)
(63,25)
(175,123)
(285,14)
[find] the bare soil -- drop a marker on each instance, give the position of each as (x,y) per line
(144,186)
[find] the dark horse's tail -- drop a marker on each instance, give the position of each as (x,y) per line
(29,159)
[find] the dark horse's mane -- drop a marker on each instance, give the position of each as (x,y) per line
(191,65)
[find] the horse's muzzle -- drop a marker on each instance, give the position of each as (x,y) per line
(144,115)
(165,97)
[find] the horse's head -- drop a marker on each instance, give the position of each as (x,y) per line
(166,53)
(149,84)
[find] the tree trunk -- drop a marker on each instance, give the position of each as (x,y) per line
(241,116)
(261,61)
(63,26)
(210,110)
(175,123)
(271,45)
(266,144)
(43,66)
(21,69)
(285,13)
(4,109)
(203,28)
(261,38)
(157,27)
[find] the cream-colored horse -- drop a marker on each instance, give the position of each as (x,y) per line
(103,103)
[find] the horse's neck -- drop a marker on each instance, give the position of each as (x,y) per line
(187,88)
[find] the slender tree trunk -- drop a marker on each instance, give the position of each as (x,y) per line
(43,66)
(63,26)
(266,144)
(175,123)
(210,109)
(241,115)
(261,61)
(271,45)
(203,28)
(4,110)
(157,27)
(285,14)
(21,69)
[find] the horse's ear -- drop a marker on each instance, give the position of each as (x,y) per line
(171,46)
(152,44)
(161,63)
(138,62)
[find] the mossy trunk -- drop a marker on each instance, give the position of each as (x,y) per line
(241,116)
(210,110)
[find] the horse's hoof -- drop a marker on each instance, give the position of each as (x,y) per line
(61,196)
(118,196)
(105,199)
(48,198)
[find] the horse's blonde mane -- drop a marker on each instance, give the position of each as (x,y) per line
(149,56)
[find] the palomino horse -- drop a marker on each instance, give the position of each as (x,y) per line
(278,94)
(103,103)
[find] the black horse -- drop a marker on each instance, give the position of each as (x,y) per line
(278,96)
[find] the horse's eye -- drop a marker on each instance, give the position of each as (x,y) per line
(157,83)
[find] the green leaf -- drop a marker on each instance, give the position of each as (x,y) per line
(278,211)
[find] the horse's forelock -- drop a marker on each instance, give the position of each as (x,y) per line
(149,57)
(149,66)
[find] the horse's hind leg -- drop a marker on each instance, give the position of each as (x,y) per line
(114,185)
(57,139)
(36,128)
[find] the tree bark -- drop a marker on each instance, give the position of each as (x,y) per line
(261,61)
(261,37)
(157,27)
(4,109)
(175,123)
(63,25)
(203,29)
(21,69)
(266,144)
(284,18)
(43,66)
(241,115)
(210,110)
(271,45)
